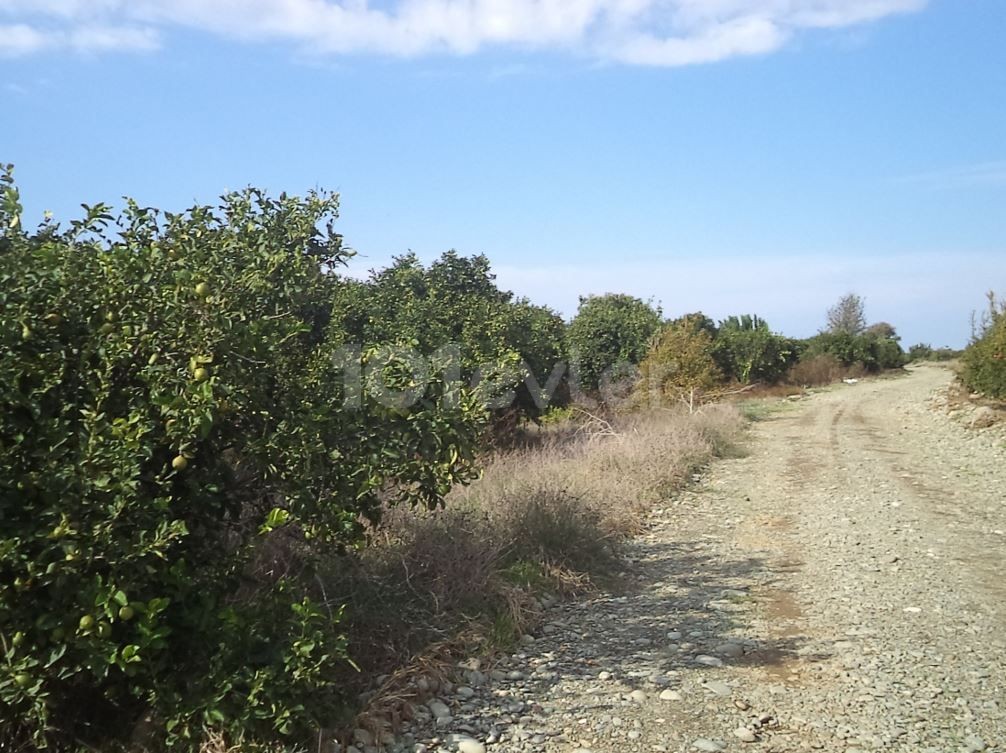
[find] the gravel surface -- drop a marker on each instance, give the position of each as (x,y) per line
(840,588)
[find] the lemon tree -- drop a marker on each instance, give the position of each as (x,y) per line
(172,416)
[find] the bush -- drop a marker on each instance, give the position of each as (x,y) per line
(680,365)
(747,351)
(455,302)
(608,331)
(171,417)
(869,351)
(984,361)
(926,352)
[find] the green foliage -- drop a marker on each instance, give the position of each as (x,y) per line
(609,330)
(926,352)
(747,351)
(680,364)
(171,416)
(455,302)
(984,361)
(869,351)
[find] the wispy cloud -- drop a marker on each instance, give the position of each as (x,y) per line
(20,39)
(966,176)
(642,32)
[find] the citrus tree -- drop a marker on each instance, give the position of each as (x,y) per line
(609,330)
(176,451)
(455,303)
(746,350)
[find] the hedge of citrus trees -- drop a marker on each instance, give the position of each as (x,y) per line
(173,416)
(516,349)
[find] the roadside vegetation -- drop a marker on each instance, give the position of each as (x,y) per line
(983,363)
(236,485)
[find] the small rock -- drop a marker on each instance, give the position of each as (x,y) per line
(745,735)
(670,695)
(470,745)
(717,687)
(974,744)
(708,746)
(730,650)
(439,709)
(604,676)
(637,695)
(709,661)
(464,691)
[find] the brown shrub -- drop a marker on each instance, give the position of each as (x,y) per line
(820,370)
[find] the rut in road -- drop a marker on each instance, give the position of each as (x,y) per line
(839,588)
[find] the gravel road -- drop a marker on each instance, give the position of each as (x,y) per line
(842,587)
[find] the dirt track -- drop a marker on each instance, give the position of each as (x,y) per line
(842,587)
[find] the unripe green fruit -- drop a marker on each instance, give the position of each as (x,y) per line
(104,630)
(180,463)
(201,374)
(22,680)
(126,613)
(86,622)
(202,290)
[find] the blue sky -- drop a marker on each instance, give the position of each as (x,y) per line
(732,156)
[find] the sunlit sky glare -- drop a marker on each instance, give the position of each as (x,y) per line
(733,156)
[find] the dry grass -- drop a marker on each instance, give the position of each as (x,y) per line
(435,586)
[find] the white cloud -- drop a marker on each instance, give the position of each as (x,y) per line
(17,40)
(20,39)
(644,32)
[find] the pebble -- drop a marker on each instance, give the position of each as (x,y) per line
(974,744)
(709,661)
(717,687)
(709,746)
(439,709)
(745,735)
(729,650)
